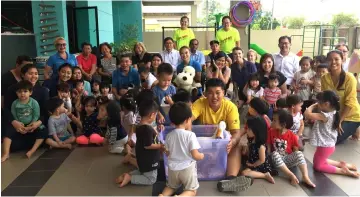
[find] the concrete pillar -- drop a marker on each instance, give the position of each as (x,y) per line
(44,41)
(193,15)
(242,12)
(126,13)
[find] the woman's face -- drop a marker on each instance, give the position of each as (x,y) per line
(238,55)
(221,62)
(65,74)
(138,49)
(156,61)
(32,75)
(251,57)
(105,50)
(77,75)
(185,55)
(335,62)
(267,65)
(61,46)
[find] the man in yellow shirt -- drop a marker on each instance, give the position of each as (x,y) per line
(228,36)
(211,110)
(183,35)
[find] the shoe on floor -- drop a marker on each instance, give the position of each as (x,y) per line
(238,184)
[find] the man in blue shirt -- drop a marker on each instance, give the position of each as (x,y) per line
(196,55)
(58,59)
(124,77)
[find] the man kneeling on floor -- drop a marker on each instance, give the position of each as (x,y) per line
(212,109)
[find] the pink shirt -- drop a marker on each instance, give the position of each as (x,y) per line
(271,96)
(86,64)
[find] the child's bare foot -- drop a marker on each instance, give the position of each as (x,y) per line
(349,172)
(293,180)
(308,182)
(69,146)
(4,157)
(126,180)
(126,159)
(119,179)
(348,165)
(269,178)
(29,154)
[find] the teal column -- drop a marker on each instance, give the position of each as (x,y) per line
(105,18)
(126,13)
(82,25)
(49,22)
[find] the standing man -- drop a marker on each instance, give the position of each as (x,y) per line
(183,35)
(87,61)
(196,55)
(345,51)
(286,62)
(228,36)
(170,55)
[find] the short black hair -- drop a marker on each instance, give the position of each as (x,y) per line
(104,84)
(237,49)
(64,66)
(184,17)
(322,65)
(281,103)
(127,55)
(144,95)
(285,37)
(95,81)
(285,118)
(179,113)
(53,103)
(215,82)
(128,102)
(143,69)
(167,39)
(254,77)
(181,96)
(259,105)
(219,55)
(225,17)
(90,99)
(24,85)
(23,58)
(79,81)
(105,44)
(293,99)
(214,42)
(147,107)
(192,40)
(63,87)
(273,76)
(85,44)
(165,68)
(26,68)
(320,58)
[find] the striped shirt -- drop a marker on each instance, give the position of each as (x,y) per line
(271,96)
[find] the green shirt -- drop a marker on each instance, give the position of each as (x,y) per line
(227,39)
(26,113)
(183,37)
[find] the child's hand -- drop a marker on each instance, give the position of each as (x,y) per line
(249,164)
(169,100)
(161,118)
(230,146)
(202,156)
(161,127)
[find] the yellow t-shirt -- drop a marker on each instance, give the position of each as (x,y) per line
(227,39)
(183,37)
(228,112)
(347,94)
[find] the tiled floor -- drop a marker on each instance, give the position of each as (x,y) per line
(92,170)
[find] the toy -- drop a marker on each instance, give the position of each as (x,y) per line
(185,80)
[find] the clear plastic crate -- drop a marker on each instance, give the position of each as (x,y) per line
(213,166)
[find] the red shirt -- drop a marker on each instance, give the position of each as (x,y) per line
(267,120)
(86,64)
(282,143)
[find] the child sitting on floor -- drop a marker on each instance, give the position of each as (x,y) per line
(182,151)
(128,116)
(324,135)
(96,88)
(105,90)
(254,90)
(294,104)
(272,93)
(63,90)
(116,137)
(258,165)
(283,146)
(59,125)
(147,149)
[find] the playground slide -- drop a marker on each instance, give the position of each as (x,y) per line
(258,49)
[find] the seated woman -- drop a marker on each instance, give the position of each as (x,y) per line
(65,73)
(107,64)
(77,75)
(219,70)
(155,62)
(141,56)
(16,138)
(212,109)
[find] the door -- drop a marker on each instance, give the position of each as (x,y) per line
(86,26)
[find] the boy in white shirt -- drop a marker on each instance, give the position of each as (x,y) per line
(182,151)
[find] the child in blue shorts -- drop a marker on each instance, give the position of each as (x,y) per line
(59,125)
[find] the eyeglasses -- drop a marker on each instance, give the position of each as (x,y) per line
(61,44)
(343,51)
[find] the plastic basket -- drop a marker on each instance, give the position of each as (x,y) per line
(213,166)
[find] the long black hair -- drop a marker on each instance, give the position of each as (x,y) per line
(259,128)
(113,111)
(334,101)
(342,74)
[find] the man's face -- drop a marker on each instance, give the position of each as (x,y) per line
(169,45)
(226,23)
(284,45)
(344,51)
(125,63)
(215,48)
(215,96)
(194,45)
(86,50)
(184,23)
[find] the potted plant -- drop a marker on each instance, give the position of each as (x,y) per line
(128,35)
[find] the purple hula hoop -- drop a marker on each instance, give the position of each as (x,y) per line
(252,11)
